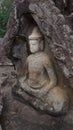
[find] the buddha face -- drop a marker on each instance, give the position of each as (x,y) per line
(35,38)
(34,45)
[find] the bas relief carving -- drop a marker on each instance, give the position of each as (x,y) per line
(39,80)
(36,93)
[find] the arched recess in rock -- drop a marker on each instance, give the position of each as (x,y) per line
(50,22)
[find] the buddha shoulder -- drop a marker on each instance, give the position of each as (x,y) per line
(45,57)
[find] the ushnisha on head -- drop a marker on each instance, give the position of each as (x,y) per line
(35,40)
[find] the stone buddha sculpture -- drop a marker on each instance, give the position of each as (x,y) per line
(40,79)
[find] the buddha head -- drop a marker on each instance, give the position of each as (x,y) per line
(35,40)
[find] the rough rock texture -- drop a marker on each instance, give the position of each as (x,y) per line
(4,72)
(17,114)
(3,59)
(53,25)
(58,34)
(57,28)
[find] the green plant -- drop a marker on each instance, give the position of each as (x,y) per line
(4,15)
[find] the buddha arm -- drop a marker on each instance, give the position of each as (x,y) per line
(52,77)
(51,74)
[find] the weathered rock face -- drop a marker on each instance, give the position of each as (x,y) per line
(17,114)
(5,70)
(3,59)
(58,35)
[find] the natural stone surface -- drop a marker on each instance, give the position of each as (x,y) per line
(1,39)
(58,35)
(19,115)
(56,31)
(4,71)
(3,59)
